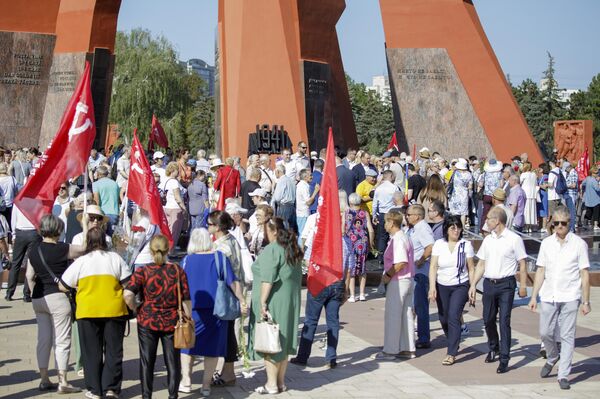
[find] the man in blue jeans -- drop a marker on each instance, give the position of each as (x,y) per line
(421,236)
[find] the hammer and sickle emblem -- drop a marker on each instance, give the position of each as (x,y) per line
(80,110)
(135,165)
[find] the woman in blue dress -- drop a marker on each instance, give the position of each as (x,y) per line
(542,204)
(200,266)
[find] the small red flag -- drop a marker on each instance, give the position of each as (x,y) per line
(393,145)
(157,134)
(583,165)
(66,156)
(325,265)
(142,189)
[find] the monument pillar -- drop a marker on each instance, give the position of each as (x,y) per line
(448,90)
(274,70)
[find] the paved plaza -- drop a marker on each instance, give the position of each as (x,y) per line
(357,375)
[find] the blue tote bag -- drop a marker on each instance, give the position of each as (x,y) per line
(227,306)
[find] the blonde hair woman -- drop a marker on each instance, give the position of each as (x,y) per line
(175,208)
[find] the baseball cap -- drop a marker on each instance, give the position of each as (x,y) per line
(259,192)
(158,155)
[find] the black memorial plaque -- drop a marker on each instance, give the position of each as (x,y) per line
(318,103)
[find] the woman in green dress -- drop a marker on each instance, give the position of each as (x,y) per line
(276,291)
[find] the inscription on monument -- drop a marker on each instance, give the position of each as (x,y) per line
(267,140)
(424,74)
(26,70)
(62,81)
(316,87)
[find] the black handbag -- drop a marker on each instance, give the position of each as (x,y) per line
(70,294)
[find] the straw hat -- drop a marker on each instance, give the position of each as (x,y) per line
(424,153)
(93,210)
(499,195)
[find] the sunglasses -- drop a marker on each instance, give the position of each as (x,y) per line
(560,222)
(304,148)
(62,188)
(95,218)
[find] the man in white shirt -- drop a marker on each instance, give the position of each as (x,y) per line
(500,254)
(24,237)
(301,159)
(304,199)
(421,236)
(563,282)
(288,163)
(201,162)
(267,176)
(553,197)
(383,201)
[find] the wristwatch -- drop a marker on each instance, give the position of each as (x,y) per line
(586,303)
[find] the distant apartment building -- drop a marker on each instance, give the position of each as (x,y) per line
(205,71)
(564,95)
(381,85)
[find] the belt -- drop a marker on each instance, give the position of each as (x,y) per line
(499,280)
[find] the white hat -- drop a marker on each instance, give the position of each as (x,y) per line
(259,192)
(462,164)
(492,166)
(233,207)
(216,163)
(158,155)
(402,155)
(371,173)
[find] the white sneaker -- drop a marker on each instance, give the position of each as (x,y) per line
(185,388)
(596,228)
(111,394)
(352,299)
(362,298)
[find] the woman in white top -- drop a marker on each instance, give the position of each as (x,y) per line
(175,208)
(529,185)
(450,274)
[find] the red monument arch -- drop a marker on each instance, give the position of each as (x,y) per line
(279,65)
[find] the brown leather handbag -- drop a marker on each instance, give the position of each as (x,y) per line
(185,332)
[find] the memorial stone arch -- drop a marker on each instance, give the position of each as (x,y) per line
(280,73)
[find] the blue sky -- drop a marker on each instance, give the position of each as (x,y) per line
(520,31)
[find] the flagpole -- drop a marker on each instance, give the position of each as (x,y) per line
(85,186)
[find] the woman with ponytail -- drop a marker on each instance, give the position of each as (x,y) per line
(157,314)
(276,293)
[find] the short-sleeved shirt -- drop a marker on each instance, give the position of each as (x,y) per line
(302,195)
(98,277)
(517,197)
(169,186)
(400,250)
(21,170)
(56,257)
(421,237)
(562,265)
(364,189)
(452,269)
(158,286)
(108,191)
(501,253)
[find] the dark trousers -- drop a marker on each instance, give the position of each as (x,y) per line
(101,342)
(593,213)
(331,299)
(148,341)
(288,213)
(498,297)
(23,241)
(421,306)
(382,237)
(232,345)
(451,302)
(487,205)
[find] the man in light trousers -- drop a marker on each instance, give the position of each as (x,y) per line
(563,282)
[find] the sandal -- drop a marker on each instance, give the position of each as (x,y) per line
(282,388)
(449,360)
(264,390)
(218,381)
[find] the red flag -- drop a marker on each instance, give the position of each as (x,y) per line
(66,156)
(393,145)
(157,134)
(325,266)
(583,165)
(142,189)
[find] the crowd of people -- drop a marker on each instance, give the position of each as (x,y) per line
(252,227)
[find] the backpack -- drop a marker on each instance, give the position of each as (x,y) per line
(450,187)
(163,194)
(561,183)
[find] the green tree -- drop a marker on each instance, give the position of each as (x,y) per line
(541,106)
(374,119)
(149,80)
